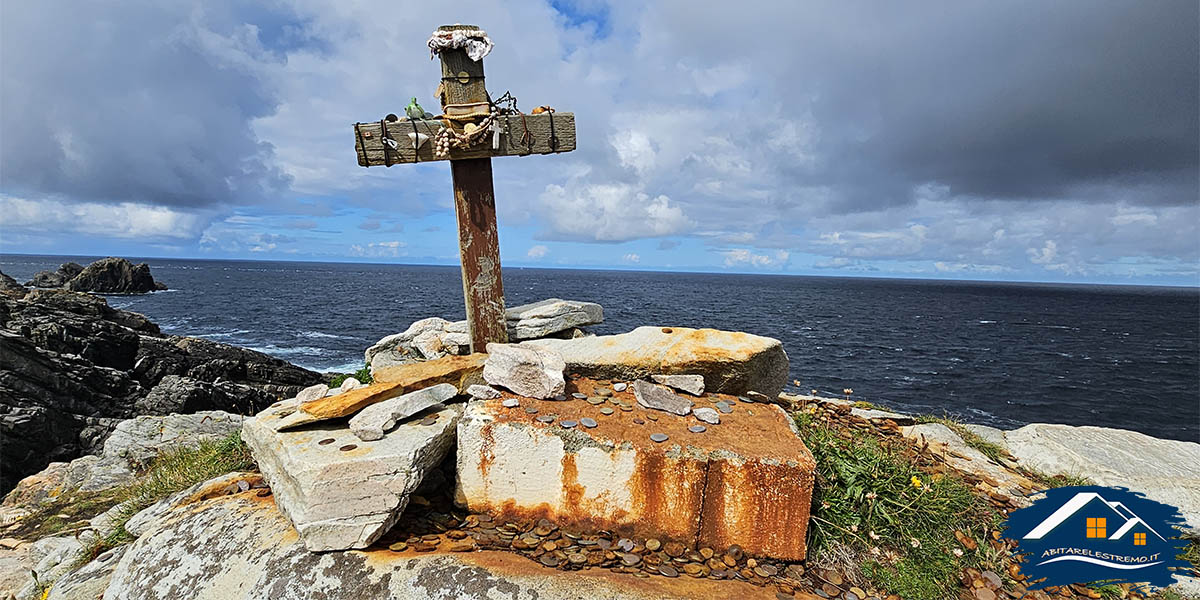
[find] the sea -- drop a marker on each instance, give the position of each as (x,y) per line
(999,354)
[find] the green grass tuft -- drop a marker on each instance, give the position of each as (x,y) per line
(172,471)
(865,488)
(363,375)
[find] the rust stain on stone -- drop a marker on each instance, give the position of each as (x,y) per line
(760,506)
(394,381)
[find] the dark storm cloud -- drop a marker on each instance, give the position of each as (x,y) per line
(133,101)
(1032,100)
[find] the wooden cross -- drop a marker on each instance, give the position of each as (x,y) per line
(392,142)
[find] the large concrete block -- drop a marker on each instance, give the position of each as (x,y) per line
(747,481)
(341,492)
(731,362)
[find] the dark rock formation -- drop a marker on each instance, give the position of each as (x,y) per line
(115,276)
(71,367)
(10,287)
(54,279)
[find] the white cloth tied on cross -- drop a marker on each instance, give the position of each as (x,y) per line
(475,41)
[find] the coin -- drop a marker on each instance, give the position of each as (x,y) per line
(531,410)
(638,421)
(724,407)
(347,447)
(546,419)
(568,424)
(606,411)
(588,422)
(579,395)
(697,429)
(658,437)
(511,403)
(326,441)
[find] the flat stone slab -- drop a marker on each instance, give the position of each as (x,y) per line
(747,481)
(372,422)
(551,316)
(526,371)
(692,384)
(339,491)
(731,362)
(460,371)
(241,547)
(1167,471)
(659,397)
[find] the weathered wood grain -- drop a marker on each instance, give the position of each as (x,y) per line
(370,137)
(479,250)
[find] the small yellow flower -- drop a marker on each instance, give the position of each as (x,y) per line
(916,482)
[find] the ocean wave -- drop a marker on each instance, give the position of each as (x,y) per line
(222,334)
(318,335)
(280,351)
(348,367)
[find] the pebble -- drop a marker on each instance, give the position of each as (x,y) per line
(568,424)
(588,422)
(658,437)
(546,419)
(511,403)
(707,415)
(606,411)
(724,407)
(697,429)
(620,387)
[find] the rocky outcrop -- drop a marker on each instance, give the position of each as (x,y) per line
(526,371)
(55,279)
(435,337)
(240,546)
(72,367)
(1167,471)
(9,287)
(115,276)
(730,362)
(339,491)
(746,481)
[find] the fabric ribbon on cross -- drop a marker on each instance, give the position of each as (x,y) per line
(475,41)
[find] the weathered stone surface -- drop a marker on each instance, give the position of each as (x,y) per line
(89,581)
(140,439)
(15,565)
(658,397)
(51,558)
(345,493)
(372,422)
(747,481)
(524,371)
(435,337)
(312,392)
(9,287)
(540,319)
(1167,471)
(459,371)
(965,458)
(483,392)
(240,547)
(57,278)
(730,362)
(115,276)
(692,384)
(707,415)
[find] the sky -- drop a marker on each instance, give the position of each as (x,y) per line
(1022,140)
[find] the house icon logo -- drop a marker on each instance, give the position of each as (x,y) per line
(1088,534)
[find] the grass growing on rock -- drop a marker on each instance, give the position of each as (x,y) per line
(172,471)
(363,375)
(875,513)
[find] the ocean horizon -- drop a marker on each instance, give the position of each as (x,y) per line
(991,352)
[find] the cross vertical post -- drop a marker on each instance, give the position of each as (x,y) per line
(475,209)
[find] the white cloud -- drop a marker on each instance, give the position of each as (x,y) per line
(745,257)
(632,258)
(609,212)
(390,249)
(125,220)
(537,252)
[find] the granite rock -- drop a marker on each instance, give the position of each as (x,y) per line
(659,397)
(525,371)
(372,422)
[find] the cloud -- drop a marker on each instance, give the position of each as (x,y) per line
(745,257)
(668,244)
(610,212)
(537,252)
(378,249)
(632,258)
(126,220)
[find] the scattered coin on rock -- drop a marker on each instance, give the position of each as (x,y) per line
(606,411)
(745,399)
(347,447)
(326,441)
(668,571)
(697,429)
(658,437)
(724,407)
(595,400)
(579,395)
(568,424)
(428,421)
(603,392)
(630,559)
(653,545)
(588,422)
(546,419)
(652,416)
(510,403)
(638,421)
(398,547)
(531,410)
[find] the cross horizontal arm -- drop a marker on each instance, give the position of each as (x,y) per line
(370,147)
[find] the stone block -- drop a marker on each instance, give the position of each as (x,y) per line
(731,362)
(339,491)
(746,481)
